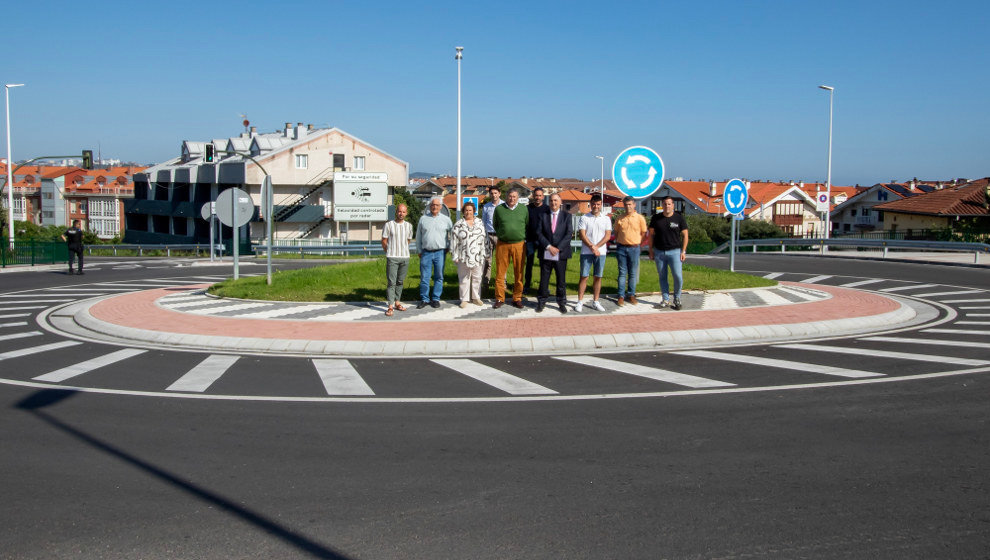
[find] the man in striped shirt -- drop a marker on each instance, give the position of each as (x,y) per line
(395,241)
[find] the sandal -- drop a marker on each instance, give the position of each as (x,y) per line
(400,307)
(388,312)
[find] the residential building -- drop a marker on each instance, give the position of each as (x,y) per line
(302,162)
(943,208)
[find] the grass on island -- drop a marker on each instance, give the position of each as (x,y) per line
(365,281)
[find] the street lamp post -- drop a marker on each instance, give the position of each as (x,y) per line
(10,167)
(828,177)
(602,182)
(458,57)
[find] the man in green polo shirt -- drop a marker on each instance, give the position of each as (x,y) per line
(510,223)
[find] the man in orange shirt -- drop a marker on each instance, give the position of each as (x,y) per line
(630,232)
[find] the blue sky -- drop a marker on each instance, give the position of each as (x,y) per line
(719,89)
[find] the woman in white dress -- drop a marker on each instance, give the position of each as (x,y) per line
(467,250)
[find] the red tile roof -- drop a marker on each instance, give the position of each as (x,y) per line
(968,199)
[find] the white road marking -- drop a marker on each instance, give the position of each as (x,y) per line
(107,289)
(977,314)
(238,307)
(38,349)
(719,301)
(816,279)
(873,353)
(74,370)
(647,372)
(199,300)
(495,378)
(340,378)
(956,293)
(863,282)
(773,275)
(783,364)
(975,307)
(966,301)
(771,298)
(280,312)
(959,343)
(22,308)
(199,378)
(800,294)
(31,298)
(14,315)
(972,323)
(19,335)
(955,331)
(16,324)
(909,287)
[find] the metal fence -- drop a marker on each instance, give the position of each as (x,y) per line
(878,245)
(30,253)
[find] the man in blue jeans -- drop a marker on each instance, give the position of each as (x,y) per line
(668,249)
(432,240)
(630,232)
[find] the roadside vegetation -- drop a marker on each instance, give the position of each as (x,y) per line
(365,281)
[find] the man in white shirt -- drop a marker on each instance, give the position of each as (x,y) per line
(594,230)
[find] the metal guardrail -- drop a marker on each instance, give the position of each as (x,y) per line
(883,244)
(168,248)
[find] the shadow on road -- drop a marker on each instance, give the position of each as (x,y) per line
(48,397)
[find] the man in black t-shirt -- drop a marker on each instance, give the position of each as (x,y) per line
(668,249)
(73,238)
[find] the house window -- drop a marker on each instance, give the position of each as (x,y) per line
(358,163)
(302,161)
(881,195)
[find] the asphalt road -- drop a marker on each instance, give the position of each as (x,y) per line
(873,470)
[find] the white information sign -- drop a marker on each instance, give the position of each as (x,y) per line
(361,213)
(822,202)
(360,194)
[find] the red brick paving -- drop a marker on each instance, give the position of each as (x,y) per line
(138,310)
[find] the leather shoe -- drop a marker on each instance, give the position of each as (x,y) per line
(540,307)
(632,300)
(498,304)
(421,305)
(517,304)
(435,304)
(563,308)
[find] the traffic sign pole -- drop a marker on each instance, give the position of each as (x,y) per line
(735,197)
(236,237)
(267,204)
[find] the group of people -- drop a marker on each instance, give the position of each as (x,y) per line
(521,234)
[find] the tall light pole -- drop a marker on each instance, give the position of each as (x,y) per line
(458,57)
(828,177)
(10,167)
(602,183)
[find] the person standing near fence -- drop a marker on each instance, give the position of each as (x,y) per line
(668,249)
(395,242)
(73,238)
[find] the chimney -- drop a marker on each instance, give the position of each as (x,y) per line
(298,132)
(801,185)
(254,131)
(309,127)
(288,130)
(712,188)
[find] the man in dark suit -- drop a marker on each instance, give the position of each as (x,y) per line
(554,245)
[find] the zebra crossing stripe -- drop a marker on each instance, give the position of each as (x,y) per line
(910,287)
(22,308)
(967,314)
(495,378)
(46,297)
(15,324)
(863,282)
(773,275)
(783,364)
(340,378)
(959,323)
(956,293)
(199,378)
(38,349)
(799,293)
(647,372)
(74,370)
(14,315)
(959,343)
(19,335)
(955,331)
(888,354)
(770,298)
(967,301)
(223,308)
(816,279)
(975,307)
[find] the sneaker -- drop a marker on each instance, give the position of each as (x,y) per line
(464,304)
(422,304)
(677,304)
(579,306)
(597,305)
(665,303)
(477,302)
(621,301)
(632,300)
